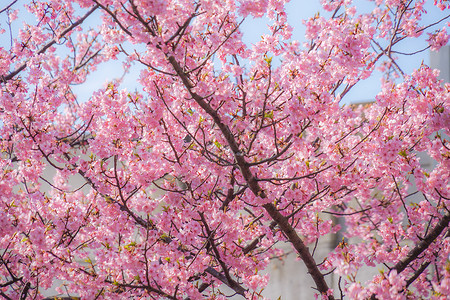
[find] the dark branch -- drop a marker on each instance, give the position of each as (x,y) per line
(51,43)
(423,245)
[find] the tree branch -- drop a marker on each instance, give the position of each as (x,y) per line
(423,245)
(8,6)
(252,182)
(51,43)
(300,247)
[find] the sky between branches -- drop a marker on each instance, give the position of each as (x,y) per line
(297,10)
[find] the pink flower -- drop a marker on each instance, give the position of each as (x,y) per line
(438,39)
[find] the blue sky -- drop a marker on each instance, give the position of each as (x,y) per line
(297,11)
(366,90)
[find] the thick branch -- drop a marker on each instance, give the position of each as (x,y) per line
(8,6)
(233,285)
(238,155)
(416,251)
(282,221)
(424,244)
(300,247)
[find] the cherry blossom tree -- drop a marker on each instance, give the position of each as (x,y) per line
(225,150)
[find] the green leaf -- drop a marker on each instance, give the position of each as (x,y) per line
(269,114)
(439,109)
(403,153)
(109,200)
(130,246)
(268,60)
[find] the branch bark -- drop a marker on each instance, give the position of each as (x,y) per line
(423,245)
(244,167)
(300,247)
(416,251)
(51,43)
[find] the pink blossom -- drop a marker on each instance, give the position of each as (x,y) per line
(438,39)
(182,168)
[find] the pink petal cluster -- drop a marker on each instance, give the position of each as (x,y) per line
(178,174)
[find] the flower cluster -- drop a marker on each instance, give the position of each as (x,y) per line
(183,187)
